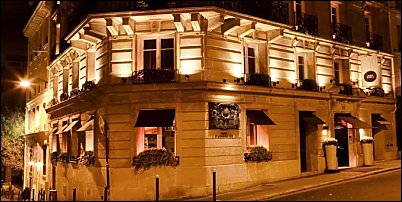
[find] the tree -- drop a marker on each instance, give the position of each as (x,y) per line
(12,138)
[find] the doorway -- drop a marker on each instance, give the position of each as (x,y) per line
(303,157)
(342,151)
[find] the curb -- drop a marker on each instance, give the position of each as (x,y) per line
(275,195)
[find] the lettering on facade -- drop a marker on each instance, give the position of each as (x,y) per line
(223,116)
(224,136)
(370,76)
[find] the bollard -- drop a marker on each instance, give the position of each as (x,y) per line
(74,193)
(157,188)
(105,194)
(213,184)
(33,194)
(52,195)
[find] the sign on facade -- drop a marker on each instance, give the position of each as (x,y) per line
(223,116)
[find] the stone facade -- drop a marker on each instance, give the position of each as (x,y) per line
(119,67)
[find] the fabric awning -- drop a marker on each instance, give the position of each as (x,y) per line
(62,129)
(357,123)
(155,118)
(311,118)
(72,124)
(89,125)
(380,120)
(258,117)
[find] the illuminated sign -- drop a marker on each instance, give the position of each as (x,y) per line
(370,76)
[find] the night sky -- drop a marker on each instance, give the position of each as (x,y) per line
(14,17)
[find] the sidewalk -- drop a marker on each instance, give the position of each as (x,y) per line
(276,189)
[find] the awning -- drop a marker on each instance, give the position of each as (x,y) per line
(380,120)
(89,125)
(155,118)
(62,129)
(258,117)
(72,124)
(353,120)
(311,118)
(54,130)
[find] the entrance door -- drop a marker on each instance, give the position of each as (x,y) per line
(342,152)
(53,178)
(303,160)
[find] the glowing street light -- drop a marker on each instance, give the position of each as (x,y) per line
(25,83)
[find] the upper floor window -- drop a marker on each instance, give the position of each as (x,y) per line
(334,13)
(250,59)
(157,52)
(301,66)
(367,23)
(337,73)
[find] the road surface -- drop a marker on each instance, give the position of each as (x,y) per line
(378,187)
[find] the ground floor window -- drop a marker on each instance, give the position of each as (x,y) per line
(257,135)
(159,137)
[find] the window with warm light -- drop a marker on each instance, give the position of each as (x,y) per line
(301,67)
(257,135)
(337,75)
(156,52)
(44,154)
(159,137)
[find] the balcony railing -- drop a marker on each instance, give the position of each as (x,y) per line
(153,76)
(374,41)
(307,84)
(342,33)
(275,10)
(306,23)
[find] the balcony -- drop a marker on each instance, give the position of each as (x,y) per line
(374,41)
(306,23)
(342,33)
(275,10)
(308,84)
(153,76)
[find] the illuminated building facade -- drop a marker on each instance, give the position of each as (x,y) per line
(204,80)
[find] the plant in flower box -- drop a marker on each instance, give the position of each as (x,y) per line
(366,140)
(154,158)
(257,154)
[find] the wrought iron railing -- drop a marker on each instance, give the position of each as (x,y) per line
(153,76)
(275,10)
(342,33)
(306,23)
(374,41)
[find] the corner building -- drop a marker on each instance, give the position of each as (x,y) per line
(205,80)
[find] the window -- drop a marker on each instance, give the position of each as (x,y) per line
(300,60)
(44,147)
(89,140)
(337,73)
(65,139)
(159,137)
(55,140)
(157,52)
(334,12)
(398,29)
(250,59)
(257,135)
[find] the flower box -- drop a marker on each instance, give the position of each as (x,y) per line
(257,154)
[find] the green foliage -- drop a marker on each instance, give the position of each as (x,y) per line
(257,154)
(154,158)
(309,84)
(259,79)
(12,138)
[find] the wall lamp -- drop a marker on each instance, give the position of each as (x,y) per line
(224,80)
(238,80)
(275,83)
(187,76)
(325,127)
(322,88)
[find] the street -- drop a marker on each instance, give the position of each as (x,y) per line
(380,187)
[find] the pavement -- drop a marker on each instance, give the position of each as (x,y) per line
(282,188)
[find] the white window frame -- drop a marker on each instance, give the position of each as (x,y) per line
(305,73)
(245,56)
(158,38)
